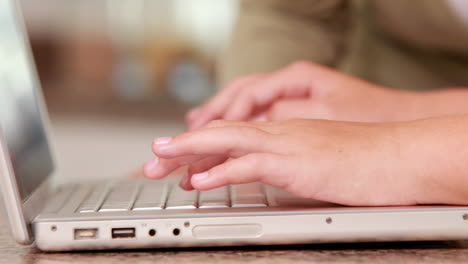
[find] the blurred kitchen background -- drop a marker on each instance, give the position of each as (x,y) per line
(118,73)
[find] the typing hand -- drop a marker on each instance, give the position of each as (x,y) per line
(304,90)
(340,162)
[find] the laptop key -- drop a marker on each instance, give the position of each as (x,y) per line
(152,196)
(181,199)
(59,199)
(217,198)
(120,198)
(249,202)
(248,189)
(95,199)
(248,195)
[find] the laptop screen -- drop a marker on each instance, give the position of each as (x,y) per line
(20,119)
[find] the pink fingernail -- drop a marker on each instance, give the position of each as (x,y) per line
(163,140)
(200,176)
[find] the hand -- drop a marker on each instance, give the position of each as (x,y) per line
(339,162)
(304,90)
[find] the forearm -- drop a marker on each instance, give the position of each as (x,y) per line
(434,154)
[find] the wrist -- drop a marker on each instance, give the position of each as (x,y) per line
(428,168)
(401,178)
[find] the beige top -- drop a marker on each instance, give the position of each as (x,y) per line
(417,44)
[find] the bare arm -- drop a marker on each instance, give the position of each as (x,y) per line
(435,152)
(312,91)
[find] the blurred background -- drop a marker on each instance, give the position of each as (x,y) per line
(116,74)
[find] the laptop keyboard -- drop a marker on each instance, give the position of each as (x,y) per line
(155,195)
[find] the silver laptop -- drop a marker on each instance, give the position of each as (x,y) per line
(149,214)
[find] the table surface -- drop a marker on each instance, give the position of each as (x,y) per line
(75,136)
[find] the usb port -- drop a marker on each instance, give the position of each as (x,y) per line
(86,233)
(128,232)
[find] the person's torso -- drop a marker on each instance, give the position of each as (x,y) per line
(417,44)
(429,24)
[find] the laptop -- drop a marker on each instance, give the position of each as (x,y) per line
(138,213)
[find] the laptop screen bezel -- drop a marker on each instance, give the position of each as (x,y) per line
(21,213)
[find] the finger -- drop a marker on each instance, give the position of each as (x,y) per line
(137,174)
(259,95)
(206,164)
(216,101)
(256,124)
(193,114)
(232,141)
(149,167)
(216,107)
(262,117)
(261,123)
(161,167)
(267,168)
(185,183)
(158,168)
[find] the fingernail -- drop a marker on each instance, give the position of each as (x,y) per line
(163,140)
(200,176)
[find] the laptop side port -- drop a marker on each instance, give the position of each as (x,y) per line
(127,232)
(85,233)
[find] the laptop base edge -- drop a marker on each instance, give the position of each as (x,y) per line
(179,232)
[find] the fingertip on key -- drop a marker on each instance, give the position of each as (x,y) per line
(200,181)
(185,183)
(200,177)
(161,145)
